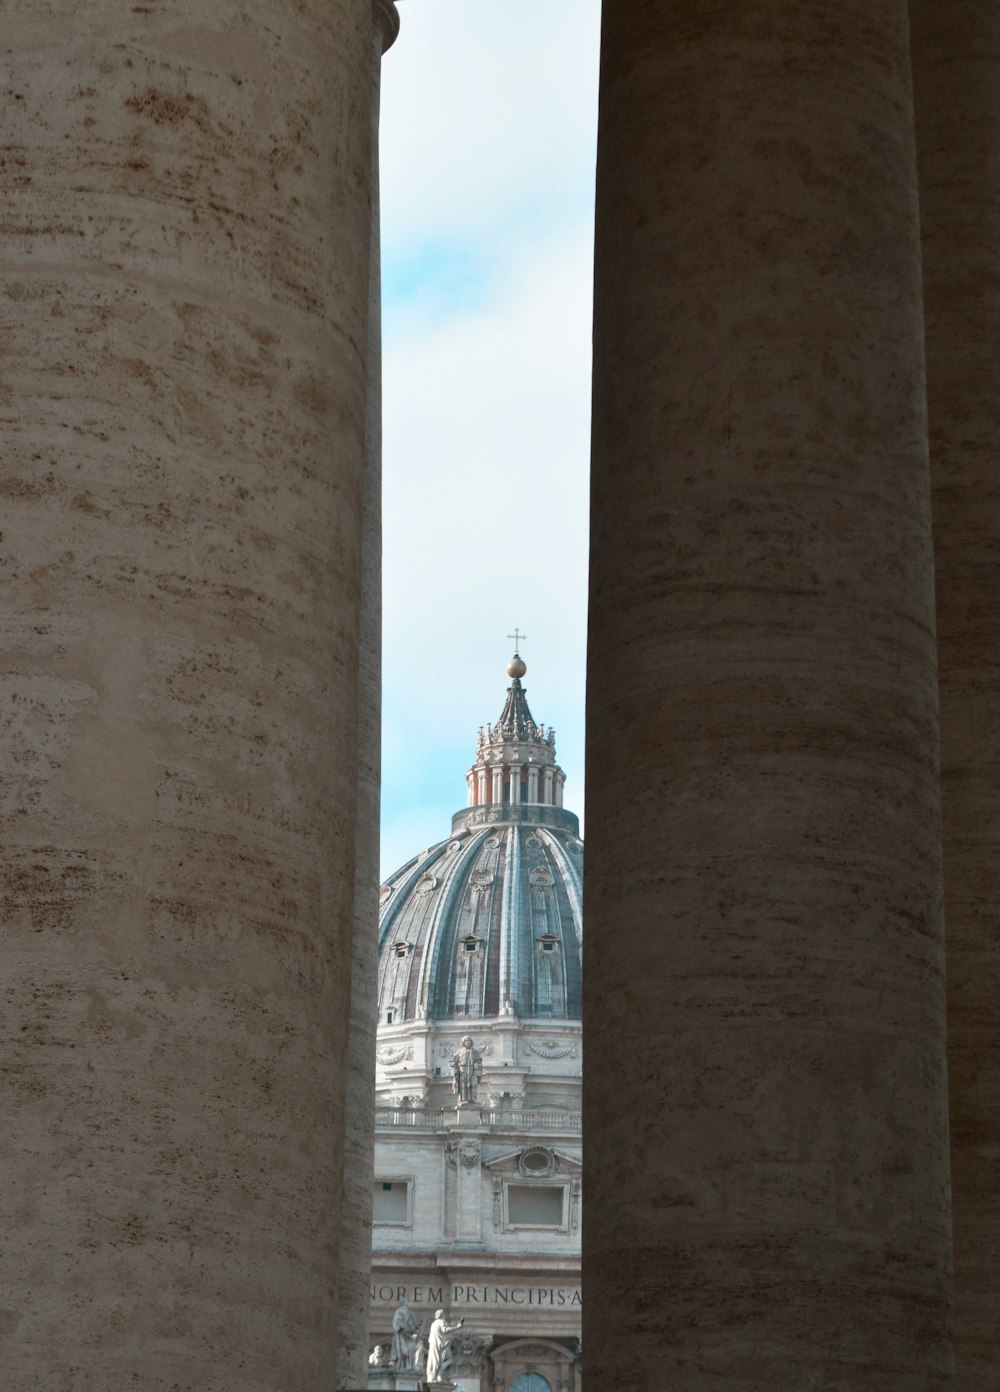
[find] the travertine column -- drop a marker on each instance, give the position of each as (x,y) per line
(956,67)
(353,1300)
(186,330)
(767,1192)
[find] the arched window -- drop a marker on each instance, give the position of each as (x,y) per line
(529,1382)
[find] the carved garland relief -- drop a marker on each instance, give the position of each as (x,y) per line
(449,1051)
(550,1048)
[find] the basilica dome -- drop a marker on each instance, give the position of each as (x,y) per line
(487,923)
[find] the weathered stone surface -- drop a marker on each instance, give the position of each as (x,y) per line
(767,1201)
(185,339)
(359,1080)
(956,67)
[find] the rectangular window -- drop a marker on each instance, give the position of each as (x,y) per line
(392,1201)
(536,1205)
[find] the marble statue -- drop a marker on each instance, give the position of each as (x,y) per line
(467,1070)
(405,1336)
(438,1343)
(377,1358)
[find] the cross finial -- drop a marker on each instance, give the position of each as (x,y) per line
(518,638)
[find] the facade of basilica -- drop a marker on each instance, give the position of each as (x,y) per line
(478,1166)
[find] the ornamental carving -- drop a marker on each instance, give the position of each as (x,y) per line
(536,1351)
(536,1162)
(394,1053)
(385,894)
(411,1101)
(449,1051)
(467,1151)
(468,1352)
(574,1204)
(510,1100)
(426,884)
(550,1048)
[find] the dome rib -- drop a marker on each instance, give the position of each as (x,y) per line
(484,896)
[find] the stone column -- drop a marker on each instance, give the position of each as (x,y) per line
(956,67)
(186,324)
(353,1301)
(497,796)
(533,785)
(767,1192)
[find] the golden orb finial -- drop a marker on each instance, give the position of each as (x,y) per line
(516,667)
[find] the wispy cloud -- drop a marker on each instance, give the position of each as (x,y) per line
(488,148)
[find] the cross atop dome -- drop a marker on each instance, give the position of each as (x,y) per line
(516,667)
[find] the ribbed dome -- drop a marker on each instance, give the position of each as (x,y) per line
(488,922)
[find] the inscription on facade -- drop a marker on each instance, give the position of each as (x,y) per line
(552,1297)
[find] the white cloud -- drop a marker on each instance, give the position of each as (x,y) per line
(488,109)
(486,388)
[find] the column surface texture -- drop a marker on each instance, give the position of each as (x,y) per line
(353,1289)
(765,1100)
(186,241)
(956,71)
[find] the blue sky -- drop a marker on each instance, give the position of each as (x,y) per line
(489,118)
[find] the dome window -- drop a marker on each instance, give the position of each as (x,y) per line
(548,942)
(401,949)
(426,884)
(470,944)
